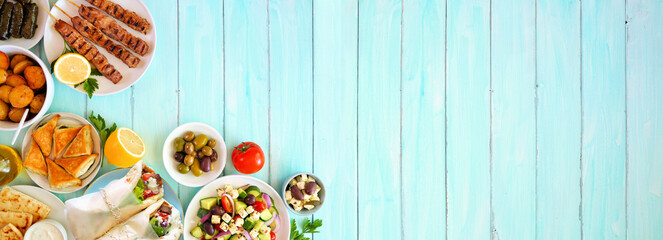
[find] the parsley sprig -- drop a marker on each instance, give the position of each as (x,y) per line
(100,124)
(308,227)
(89,85)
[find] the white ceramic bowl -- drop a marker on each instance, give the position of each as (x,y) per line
(171,164)
(191,219)
(67,119)
(28,234)
(39,31)
(321,195)
(13,50)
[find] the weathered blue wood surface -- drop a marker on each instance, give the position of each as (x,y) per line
(533,119)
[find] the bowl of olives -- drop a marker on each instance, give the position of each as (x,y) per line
(194,154)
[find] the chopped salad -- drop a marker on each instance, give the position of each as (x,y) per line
(161,220)
(148,186)
(243,213)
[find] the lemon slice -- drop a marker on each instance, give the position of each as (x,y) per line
(124,148)
(72,68)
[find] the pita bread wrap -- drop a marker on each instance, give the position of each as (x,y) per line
(91,215)
(140,227)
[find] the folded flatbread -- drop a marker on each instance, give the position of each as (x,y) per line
(77,166)
(44,135)
(92,215)
(81,145)
(10,232)
(148,224)
(63,136)
(12,200)
(59,178)
(34,161)
(20,220)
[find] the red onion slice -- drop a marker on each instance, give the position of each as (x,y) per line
(267,200)
(204,219)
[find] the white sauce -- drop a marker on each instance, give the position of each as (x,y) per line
(46,231)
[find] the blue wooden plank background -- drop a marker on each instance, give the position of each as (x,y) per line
(456,119)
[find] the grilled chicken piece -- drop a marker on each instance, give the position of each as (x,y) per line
(111,28)
(128,17)
(95,35)
(88,50)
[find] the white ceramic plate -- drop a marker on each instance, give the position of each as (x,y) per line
(171,165)
(56,205)
(11,51)
(54,45)
(68,119)
(39,31)
(191,219)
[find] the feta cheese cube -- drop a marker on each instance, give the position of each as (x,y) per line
(241,237)
(249,209)
(315,198)
(224,227)
(265,230)
(242,213)
(306,196)
(227,188)
(254,233)
(226,217)
(232,228)
(288,195)
(295,202)
(309,206)
(216,219)
(298,207)
(301,185)
(317,190)
(293,181)
(219,192)
(239,222)
(255,216)
(233,193)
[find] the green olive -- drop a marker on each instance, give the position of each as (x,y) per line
(207,151)
(200,154)
(188,160)
(178,144)
(188,136)
(195,168)
(200,141)
(188,148)
(183,168)
(211,143)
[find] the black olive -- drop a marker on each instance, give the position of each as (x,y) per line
(296,193)
(310,188)
(250,199)
(209,228)
(179,156)
(217,210)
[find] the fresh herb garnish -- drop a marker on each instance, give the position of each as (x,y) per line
(308,227)
(100,124)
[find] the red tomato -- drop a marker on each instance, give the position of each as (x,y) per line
(147,193)
(147,176)
(272,236)
(217,227)
(248,158)
(259,206)
(225,202)
(236,217)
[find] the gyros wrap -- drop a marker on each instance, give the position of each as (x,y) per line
(159,221)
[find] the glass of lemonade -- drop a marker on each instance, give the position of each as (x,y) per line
(10,164)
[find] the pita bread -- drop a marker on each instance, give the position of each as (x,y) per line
(44,135)
(20,220)
(77,166)
(10,232)
(81,145)
(59,178)
(12,200)
(34,161)
(63,136)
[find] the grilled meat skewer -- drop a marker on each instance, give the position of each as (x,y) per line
(95,35)
(111,28)
(88,50)
(128,17)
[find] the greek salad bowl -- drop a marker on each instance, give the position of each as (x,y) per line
(303,193)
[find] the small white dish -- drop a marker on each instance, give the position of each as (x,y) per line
(43,223)
(11,51)
(54,44)
(56,205)
(66,119)
(321,195)
(191,219)
(39,31)
(171,164)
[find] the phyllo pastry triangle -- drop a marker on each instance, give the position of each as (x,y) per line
(63,136)
(77,166)
(58,177)
(44,135)
(34,161)
(81,145)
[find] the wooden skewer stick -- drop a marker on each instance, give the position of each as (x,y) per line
(49,12)
(73,3)
(65,13)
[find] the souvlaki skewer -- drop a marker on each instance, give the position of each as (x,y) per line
(132,19)
(87,49)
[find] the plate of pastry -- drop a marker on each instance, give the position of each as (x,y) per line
(62,152)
